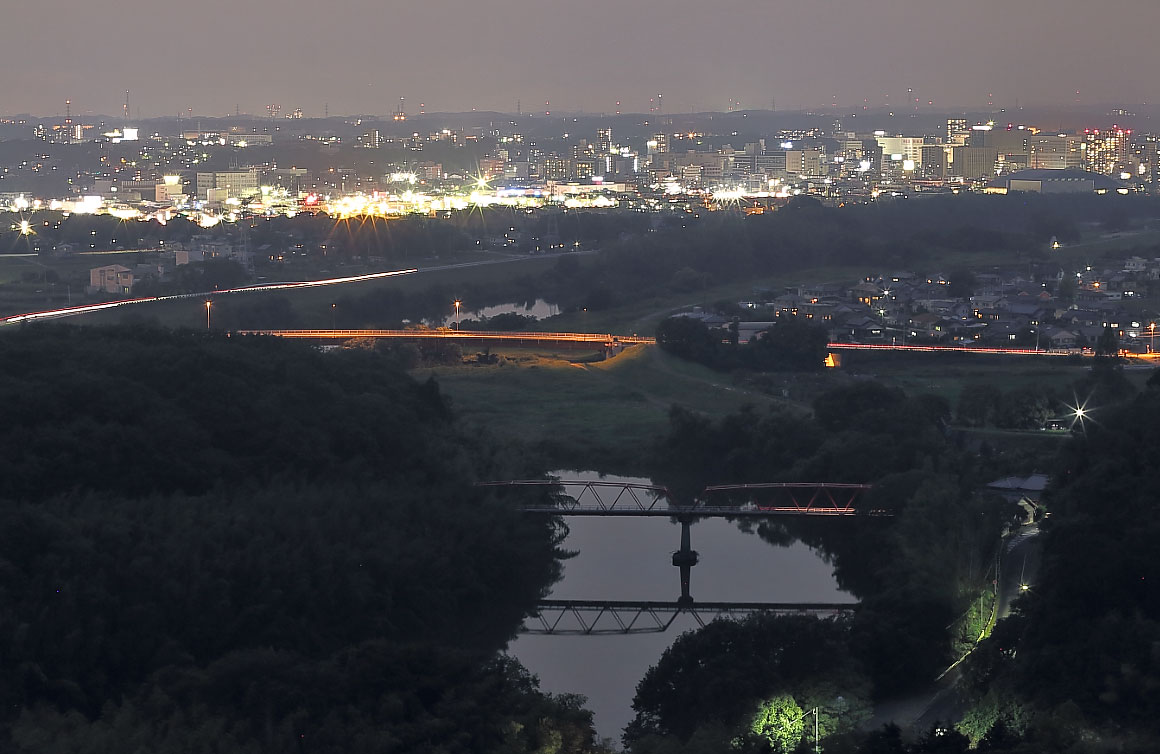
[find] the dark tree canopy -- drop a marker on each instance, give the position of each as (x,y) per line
(241,545)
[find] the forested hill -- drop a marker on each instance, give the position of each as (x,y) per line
(213,544)
(1077,667)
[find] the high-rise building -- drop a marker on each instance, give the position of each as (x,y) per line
(236,183)
(1149,157)
(1056,152)
(973,163)
(804,161)
(555,168)
(910,147)
(957,131)
(1107,151)
(934,162)
(603,140)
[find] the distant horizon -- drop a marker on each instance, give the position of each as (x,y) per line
(1138,109)
(680,54)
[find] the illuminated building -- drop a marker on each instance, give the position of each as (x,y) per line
(957,131)
(582,169)
(1150,161)
(490,167)
(658,143)
(236,183)
(933,164)
(243,139)
(1055,152)
(693,176)
(555,169)
(973,163)
(603,141)
(770,164)
(1107,151)
(371,139)
(1053,182)
(804,161)
(910,147)
(171,191)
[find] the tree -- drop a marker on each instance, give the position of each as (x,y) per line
(977,403)
(1108,346)
(688,338)
(962,283)
(791,345)
(292,545)
(721,674)
(841,408)
(780,721)
(1022,408)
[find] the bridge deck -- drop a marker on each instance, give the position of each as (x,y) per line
(574,337)
(448,334)
(608,617)
(604,498)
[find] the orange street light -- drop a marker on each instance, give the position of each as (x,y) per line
(208,303)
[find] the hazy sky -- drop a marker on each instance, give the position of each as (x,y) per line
(362,55)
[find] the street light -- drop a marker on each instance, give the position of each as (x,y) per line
(333,308)
(208,303)
(1152,332)
(458,304)
(806,714)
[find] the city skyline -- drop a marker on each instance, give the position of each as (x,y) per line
(512,55)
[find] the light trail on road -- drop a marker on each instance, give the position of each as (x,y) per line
(71,311)
(948,349)
(447,334)
(574,337)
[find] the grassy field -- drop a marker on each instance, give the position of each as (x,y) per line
(607,413)
(947,375)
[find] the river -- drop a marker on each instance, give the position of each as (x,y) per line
(540,309)
(630,559)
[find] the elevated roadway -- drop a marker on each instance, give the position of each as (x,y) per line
(443,333)
(599,338)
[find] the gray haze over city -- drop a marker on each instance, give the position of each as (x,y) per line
(355,56)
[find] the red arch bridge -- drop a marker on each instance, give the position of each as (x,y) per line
(601,498)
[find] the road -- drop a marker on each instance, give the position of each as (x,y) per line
(443,333)
(940,704)
(72,311)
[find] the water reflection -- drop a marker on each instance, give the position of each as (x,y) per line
(539,309)
(631,559)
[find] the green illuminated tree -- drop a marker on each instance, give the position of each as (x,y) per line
(780,721)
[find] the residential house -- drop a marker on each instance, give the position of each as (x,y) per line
(112,278)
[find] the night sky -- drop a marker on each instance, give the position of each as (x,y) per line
(359,56)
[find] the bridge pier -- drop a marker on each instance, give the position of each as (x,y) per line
(685,558)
